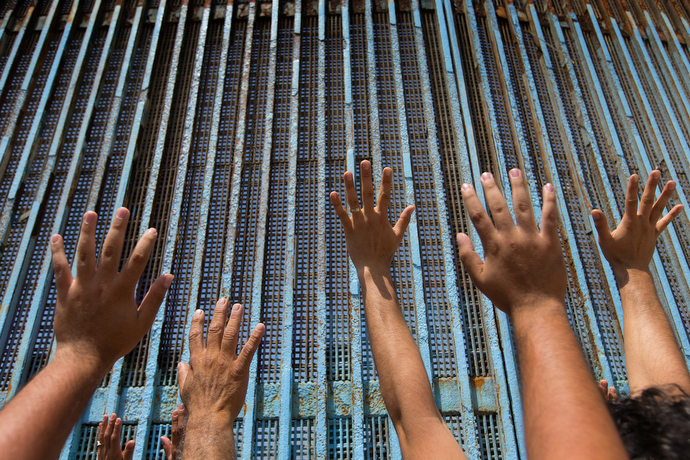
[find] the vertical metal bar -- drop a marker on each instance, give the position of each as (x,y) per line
(374,126)
(238,164)
(322,373)
(471,446)
(113,395)
(148,400)
(355,300)
(680,57)
(15,46)
(588,310)
(34,132)
(286,370)
(12,292)
(24,90)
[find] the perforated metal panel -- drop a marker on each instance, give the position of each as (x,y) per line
(226,124)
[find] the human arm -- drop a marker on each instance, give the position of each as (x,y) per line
(652,355)
(523,273)
(108,445)
(97,321)
(405,387)
(172,446)
(214,383)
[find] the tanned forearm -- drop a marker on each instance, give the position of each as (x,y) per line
(208,439)
(404,384)
(558,390)
(59,392)
(645,323)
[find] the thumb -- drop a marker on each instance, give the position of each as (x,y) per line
(183,370)
(167,447)
(403,221)
(602,227)
(153,299)
(470,259)
(129,450)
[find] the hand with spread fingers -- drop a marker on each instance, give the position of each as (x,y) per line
(652,355)
(97,317)
(97,321)
(523,266)
(371,240)
(631,245)
(108,444)
(372,243)
(523,273)
(214,383)
(172,446)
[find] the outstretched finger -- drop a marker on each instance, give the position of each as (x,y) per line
(602,226)
(247,353)
(647,199)
(129,450)
(167,447)
(134,267)
(107,436)
(86,246)
(114,240)
(152,302)
(351,192)
(232,331)
(183,371)
(480,219)
(217,326)
(403,221)
(522,205)
(631,197)
(63,273)
(385,192)
(341,212)
(549,212)
(196,335)
(660,204)
(367,185)
(664,221)
(100,440)
(497,203)
(470,259)
(115,436)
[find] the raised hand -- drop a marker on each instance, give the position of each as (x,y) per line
(97,318)
(523,266)
(214,383)
(371,240)
(108,444)
(631,245)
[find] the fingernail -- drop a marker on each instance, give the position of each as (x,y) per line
(236,307)
(549,188)
(366,165)
(487,176)
(88,217)
(596,216)
(54,239)
(178,366)
(515,172)
(167,281)
(198,313)
(466,187)
(152,231)
(121,213)
(671,185)
(459,239)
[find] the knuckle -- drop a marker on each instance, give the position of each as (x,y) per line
(477,216)
(215,328)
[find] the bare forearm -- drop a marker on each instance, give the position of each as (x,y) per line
(653,357)
(206,439)
(59,392)
(562,406)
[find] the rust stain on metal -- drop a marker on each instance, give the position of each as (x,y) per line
(478,382)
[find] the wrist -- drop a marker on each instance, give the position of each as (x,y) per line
(81,363)
(625,275)
(217,421)
(370,272)
(527,308)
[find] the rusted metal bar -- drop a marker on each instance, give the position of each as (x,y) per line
(7,69)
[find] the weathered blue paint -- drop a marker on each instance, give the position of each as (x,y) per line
(15,46)
(286,371)
(355,298)
(680,57)
(322,315)
(11,292)
(374,125)
(26,83)
(146,408)
(584,118)
(601,366)
(462,388)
